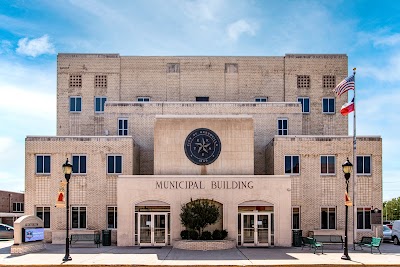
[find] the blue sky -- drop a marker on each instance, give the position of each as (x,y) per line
(33,32)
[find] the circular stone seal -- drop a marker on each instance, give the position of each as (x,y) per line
(202,146)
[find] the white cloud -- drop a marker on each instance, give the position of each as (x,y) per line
(234,30)
(5,144)
(389,72)
(35,47)
(387,40)
(202,10)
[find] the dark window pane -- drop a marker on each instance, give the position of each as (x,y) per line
(360,219)
(331,105)
(125,124)
(367,219)
(367,164)
(325,105)
(71,104)
(288,164)
(324,219)
(46,164)
(78,104)
(75,164)
(120,122)
(279,124)
(296,165)
(74,223)
(39,164)
(46,219)
(118,164)
(284,124)
(202,98)
(332,223)
(110,164)
(360,165)
(306,105)
(97,104)
(331,164)
(82,218)
(82,164)
(323,164)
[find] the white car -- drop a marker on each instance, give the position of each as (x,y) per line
(387,233)
(6,231)
(396,232)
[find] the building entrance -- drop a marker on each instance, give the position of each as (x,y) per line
(153,228)
(256,229)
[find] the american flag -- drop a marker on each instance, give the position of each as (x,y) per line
(344,86)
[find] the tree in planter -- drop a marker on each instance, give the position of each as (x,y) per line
(198,214)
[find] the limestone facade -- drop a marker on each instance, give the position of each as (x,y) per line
(153,99)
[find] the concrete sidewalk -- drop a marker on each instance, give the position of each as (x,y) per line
(134,256)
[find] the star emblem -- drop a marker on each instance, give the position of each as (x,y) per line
(203,145)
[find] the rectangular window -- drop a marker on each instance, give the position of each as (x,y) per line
(329,81)
(261,99)
(328,218)
(44,214)
(78,217)
(296,218)
(283,126)
(75,80)
(305,104)
(75,104)
(111,217)
(114,164)
(173,68)
(327,164)
(100,81)
(202,98)
(43,164)
(364,218)
(143,99)
(79,164)
(303,81)
(363,164)
(231,68)
(99,103)
(18,207)
(122,126)
(328,105)
(292,164)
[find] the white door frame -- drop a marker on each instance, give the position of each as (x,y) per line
(255,228)
(152,231)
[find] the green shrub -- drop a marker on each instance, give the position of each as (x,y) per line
(185,234)
(194,235)
(206,235)
(224,234)
(216,235)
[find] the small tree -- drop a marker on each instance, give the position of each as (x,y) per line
(198,214)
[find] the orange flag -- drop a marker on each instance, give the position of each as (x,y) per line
(347,200)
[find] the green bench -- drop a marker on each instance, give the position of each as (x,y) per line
(311,243)
(85,238)
(374,243)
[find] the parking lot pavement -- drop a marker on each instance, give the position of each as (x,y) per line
(128,256)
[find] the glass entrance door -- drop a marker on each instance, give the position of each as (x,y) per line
(152,228)
(256,229)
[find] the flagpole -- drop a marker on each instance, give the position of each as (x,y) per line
(354,164)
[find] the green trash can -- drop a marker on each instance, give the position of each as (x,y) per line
(106,237)
(296,238)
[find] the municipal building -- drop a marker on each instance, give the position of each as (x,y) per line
(261,137)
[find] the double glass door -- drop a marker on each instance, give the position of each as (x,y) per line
(256,229)
(152,228)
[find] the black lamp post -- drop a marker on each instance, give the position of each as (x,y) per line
(67,169)
(347,168)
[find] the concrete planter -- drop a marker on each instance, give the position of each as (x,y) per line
(205,244)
